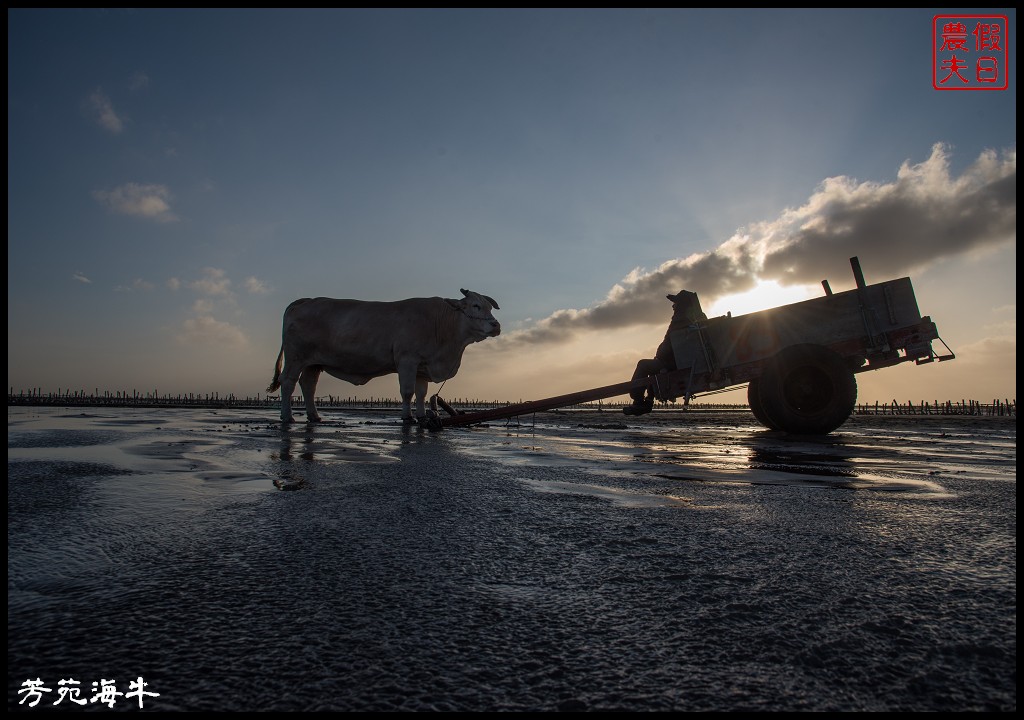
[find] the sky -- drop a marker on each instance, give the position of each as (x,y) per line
(177,177)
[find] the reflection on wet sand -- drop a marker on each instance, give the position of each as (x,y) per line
(247,450)
(333,443)
(301,445)
(713,452)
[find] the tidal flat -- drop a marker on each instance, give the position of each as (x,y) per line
(565,561)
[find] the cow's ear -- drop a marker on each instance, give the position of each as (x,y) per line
(464,291)
(491,301)
(457,304)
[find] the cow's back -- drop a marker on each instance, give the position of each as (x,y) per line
(337,315)
(358,335)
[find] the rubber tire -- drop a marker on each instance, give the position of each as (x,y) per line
(756,405)
(807,390)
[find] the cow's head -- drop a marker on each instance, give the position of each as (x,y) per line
(477,309)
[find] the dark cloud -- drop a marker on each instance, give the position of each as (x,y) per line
(925,215)
(894,228)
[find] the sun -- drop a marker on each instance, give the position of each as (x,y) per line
(765,295)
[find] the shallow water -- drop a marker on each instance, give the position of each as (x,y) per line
(572,562)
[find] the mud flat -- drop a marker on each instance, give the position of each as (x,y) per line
(568,561)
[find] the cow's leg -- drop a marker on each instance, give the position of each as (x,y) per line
(407,386)
(307,381)
(421,394)
(289,376)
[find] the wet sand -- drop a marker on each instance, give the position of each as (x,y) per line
(570,561)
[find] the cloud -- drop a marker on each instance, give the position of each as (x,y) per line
(214,282)
(990,349)
(992,363)
(138,81)
(1004,322)
(81,278)
(256,286)
(203,328)
(147,201)
(921,217)
(207,330)
(102,110)
(924,216)
(202,307)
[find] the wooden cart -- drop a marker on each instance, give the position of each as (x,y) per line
(798,361)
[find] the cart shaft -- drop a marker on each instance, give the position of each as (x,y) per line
(659,383)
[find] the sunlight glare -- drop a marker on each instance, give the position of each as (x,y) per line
(768,294)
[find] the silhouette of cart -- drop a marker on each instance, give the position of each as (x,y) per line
(799,361)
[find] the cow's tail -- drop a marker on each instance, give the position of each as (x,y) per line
(276,382)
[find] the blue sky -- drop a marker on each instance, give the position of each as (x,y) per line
(177,177)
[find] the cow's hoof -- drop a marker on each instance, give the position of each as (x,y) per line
(288,419)
(431,421)
(408,421)
(315,418)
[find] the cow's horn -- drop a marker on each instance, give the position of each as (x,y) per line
(488,299)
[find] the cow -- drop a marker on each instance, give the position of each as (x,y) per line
(421,339)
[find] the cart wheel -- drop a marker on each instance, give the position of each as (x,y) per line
(756,404)
(807,390)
